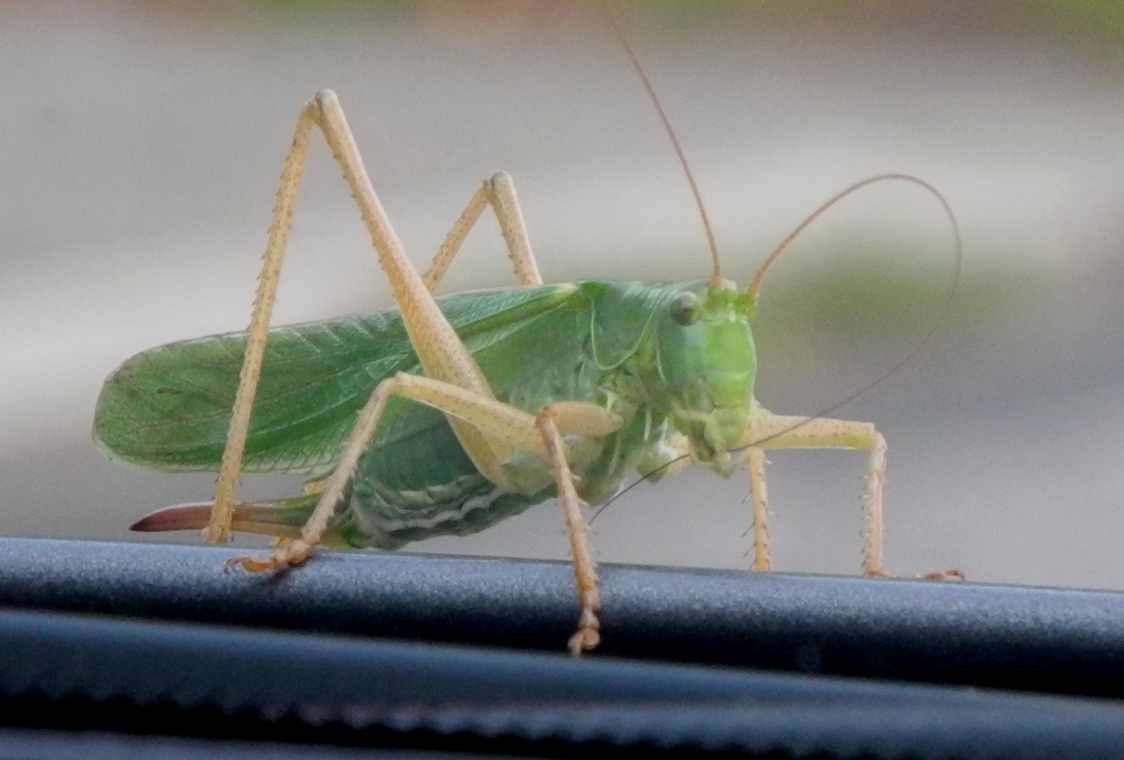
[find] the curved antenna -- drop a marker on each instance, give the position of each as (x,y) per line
(755,286)
(926,338)
(716,276)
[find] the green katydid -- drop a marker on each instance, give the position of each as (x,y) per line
(444,417)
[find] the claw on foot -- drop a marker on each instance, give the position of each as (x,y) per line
(939,575)
(585,640)
(252,564)
(290,554)
(589,627)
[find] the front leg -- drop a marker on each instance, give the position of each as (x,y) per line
(771,431)
(755,458)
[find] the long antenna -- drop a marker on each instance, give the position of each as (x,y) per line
(716,276)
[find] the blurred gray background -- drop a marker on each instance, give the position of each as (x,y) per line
(140,145)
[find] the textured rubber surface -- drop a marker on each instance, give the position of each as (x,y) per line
(1045,640)
(221,684)
(423,653)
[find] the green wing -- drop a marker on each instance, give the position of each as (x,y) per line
(169,408)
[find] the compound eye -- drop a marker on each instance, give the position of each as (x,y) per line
(685,309)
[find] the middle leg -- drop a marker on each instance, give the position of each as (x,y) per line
(539,435)
(498,191)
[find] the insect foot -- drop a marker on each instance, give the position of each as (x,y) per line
(291,554)
(939,575)
(589,627)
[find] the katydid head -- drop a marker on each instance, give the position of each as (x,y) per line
(707,364)
(705,348)
(705,355)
